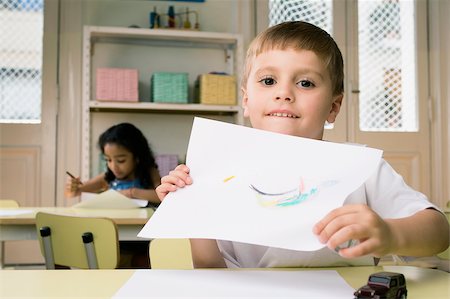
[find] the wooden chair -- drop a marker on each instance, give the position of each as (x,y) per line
(78,242)
(171,254)
(6,203)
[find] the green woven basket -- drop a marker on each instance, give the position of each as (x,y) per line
(169,87)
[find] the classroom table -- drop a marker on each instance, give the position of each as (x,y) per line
(421,282)
(22,226)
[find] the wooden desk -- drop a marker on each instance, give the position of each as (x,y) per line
(22,227)
(421,282)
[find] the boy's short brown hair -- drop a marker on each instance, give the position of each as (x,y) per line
(299,35)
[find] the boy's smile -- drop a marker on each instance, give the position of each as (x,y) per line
(290,92)
(282,113)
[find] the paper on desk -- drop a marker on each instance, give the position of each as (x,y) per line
(238,283)
(259,187)
(12,212)
(110,199)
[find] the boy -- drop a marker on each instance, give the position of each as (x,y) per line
(293,84)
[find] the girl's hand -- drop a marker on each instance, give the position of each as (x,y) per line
(72,187)
(126,192)
(177,178)
(356,222)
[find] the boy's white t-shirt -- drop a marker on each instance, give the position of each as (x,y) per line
(385,192)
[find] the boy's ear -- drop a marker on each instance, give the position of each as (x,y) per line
(335,108)
(245,101)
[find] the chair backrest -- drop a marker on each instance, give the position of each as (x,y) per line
(67,243)
(8,203)
(171,254)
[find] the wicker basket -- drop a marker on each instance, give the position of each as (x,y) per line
(117,84)
(166,163)
(169,87)
(216,89)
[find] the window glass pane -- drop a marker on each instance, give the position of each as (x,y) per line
(317,12)
(21,38)
(387,72)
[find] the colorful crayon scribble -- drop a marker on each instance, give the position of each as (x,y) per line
(291,197)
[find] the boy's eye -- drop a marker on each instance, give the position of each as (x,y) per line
(306,84)
(268,81)
(121,161)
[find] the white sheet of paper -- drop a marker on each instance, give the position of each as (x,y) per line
(11,212)
(242,284)
(302,179)
(109,199)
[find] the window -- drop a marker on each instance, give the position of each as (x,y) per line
(21,40)
(317,12)
(388,98)
(387,75)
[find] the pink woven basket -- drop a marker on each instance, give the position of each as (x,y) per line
(116,84)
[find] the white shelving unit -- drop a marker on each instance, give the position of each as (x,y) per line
(179,40)
(143,106)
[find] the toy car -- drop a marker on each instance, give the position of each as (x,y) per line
(383,285)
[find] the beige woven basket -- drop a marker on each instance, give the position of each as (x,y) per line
(217,89)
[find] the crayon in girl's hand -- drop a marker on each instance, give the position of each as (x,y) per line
(73,177)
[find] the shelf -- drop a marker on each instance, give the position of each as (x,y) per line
(171,37)
(207,49)
(161,107)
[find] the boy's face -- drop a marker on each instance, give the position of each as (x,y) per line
(290,92)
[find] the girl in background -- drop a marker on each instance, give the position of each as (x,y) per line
(132,171)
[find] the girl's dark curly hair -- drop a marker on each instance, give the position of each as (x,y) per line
(131,138)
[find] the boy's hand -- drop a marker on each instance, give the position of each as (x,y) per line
(356,222)
(177,178)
